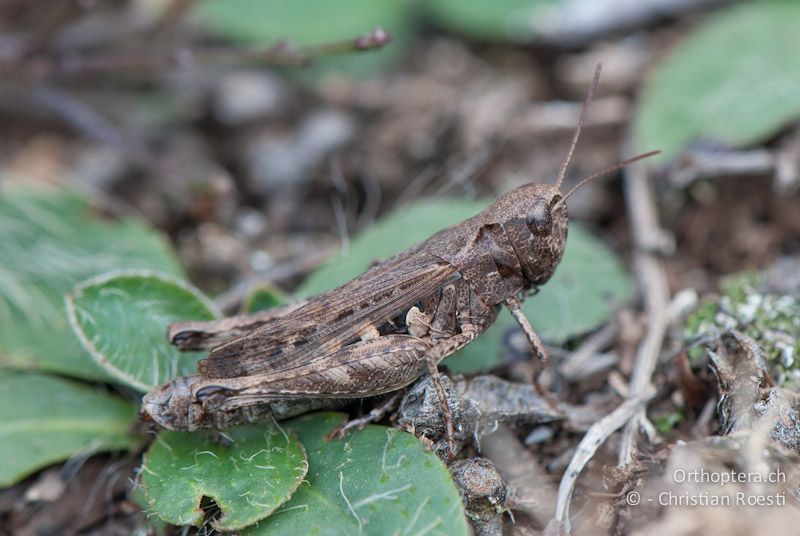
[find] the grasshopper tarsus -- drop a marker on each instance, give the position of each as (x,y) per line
(376,414)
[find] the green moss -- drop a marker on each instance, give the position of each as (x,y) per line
(772,320)
(666,422)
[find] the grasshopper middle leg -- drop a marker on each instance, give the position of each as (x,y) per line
(457,316)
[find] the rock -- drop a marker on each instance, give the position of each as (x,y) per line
(245,96)
(420,413)
(483,491)
(477,405)
(279,162)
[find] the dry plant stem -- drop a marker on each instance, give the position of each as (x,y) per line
(648,237)
(653,280)
(282,53)
(171,15)
(594,437)
(573,367)
(709,164)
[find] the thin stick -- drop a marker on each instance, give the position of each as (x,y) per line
(595,436)
(631,413)
(575,365)
(584,112)
(655,289)
(148,59)
(171,15)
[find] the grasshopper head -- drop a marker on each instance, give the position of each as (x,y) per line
(534,218)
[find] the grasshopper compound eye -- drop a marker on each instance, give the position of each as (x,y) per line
(540,218)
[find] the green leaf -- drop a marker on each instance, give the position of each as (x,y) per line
(505,20)
(733,80)
(49,241)
(263,298)
(376,481)
(313,22)
(587,288)
(121,319)
(44,419)
(667,422)
(247,478)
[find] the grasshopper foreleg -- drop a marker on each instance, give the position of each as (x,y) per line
(538,348)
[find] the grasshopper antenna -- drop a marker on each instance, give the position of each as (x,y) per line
(584,112)
(606,171)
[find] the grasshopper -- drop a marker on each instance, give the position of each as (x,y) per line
(382,330)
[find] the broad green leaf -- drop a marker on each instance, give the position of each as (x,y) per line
(312,22)
(263,298)
(507,20)
(376,481)
(588,286)
(734,80)
(248,478)
(44,419)
(121,319)
(49,241)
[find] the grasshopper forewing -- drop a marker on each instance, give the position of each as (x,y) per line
(304,337)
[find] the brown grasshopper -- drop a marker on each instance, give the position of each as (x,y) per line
(382,330)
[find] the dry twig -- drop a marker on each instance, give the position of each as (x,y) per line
(651,276)
(65,64)
(595,437)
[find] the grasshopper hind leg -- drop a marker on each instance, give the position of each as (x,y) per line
(432,358)
(375,415)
